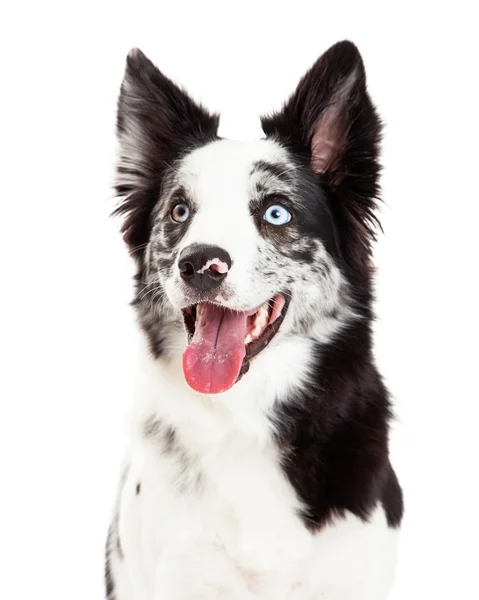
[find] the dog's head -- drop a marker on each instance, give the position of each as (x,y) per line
(243,243)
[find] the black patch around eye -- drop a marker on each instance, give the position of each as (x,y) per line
(311,218)
(314,218)
(314,212)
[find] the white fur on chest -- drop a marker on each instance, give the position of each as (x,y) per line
(212,516)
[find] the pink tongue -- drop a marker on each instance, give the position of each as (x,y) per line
(212,361)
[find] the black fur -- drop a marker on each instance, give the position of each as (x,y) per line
(109,583)
(334,436)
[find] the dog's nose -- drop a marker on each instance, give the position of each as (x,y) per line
(204,267)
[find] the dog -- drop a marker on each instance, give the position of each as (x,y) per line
(258,463)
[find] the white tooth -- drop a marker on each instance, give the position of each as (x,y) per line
(256,332)
(198,308)
(259,323)
(248,339)
(260,320)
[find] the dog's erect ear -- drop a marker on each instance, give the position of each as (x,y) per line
(331,120)
(157,122)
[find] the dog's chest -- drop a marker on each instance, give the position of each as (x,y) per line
(233,498)
(224,524)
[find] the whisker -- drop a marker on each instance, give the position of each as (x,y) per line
(139,247)
(144,294)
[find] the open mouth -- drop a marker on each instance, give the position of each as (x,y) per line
(222,341)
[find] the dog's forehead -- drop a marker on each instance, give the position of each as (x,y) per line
(230,165)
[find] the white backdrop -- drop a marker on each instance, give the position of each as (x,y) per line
(67,333)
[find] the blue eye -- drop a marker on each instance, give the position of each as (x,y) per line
(277,215)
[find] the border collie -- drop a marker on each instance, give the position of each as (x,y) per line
(258,462)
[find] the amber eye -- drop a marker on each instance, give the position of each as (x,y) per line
(180,213)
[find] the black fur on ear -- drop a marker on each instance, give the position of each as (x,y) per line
(331,122)
(156,123)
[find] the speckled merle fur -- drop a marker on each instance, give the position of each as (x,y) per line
(333,434)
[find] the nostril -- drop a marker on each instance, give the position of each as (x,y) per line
(216,273)
(217,270)
(186,268)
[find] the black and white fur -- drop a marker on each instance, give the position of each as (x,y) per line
(281,487)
